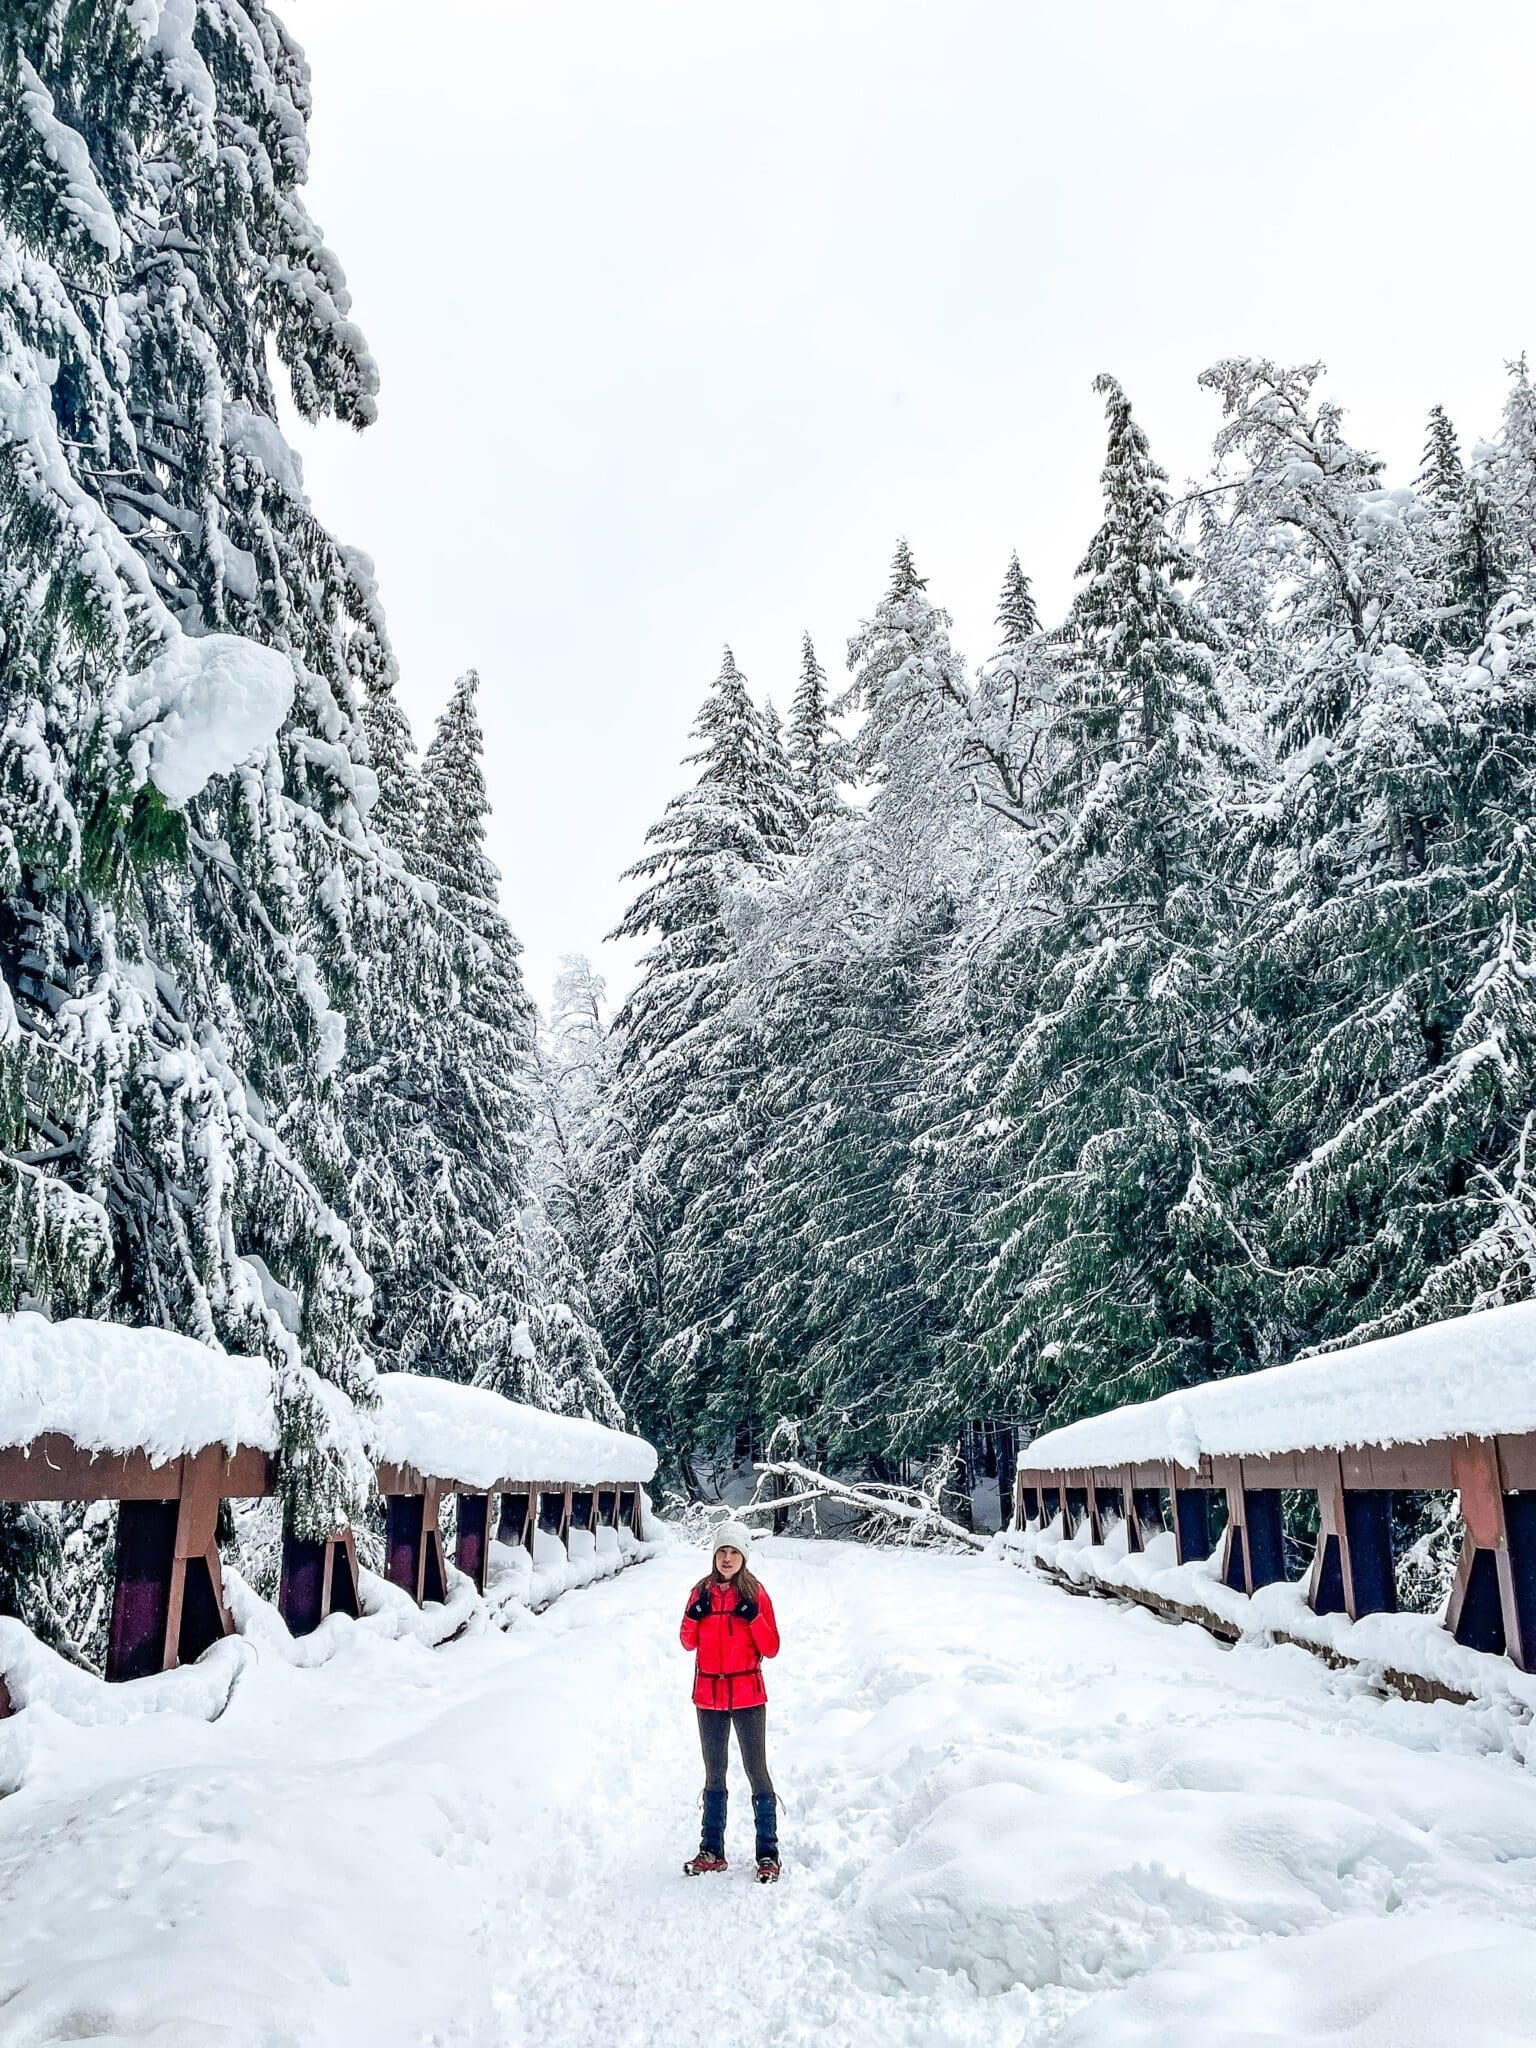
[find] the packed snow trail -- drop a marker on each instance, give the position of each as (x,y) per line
(1010,1817)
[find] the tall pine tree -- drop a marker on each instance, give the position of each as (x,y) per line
(1112,1231)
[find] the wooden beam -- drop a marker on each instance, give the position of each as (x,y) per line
(54,1467)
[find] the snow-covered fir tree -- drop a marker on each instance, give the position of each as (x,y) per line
(190,871)
(1112,1211)
(217,925)
(816,751)
(459,1295)
(690,1055)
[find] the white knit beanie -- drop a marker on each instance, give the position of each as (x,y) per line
(736,1534)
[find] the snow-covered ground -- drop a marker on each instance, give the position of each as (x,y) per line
(1010,1817)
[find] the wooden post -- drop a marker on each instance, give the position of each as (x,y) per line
(1352,1571)
(1143,1511)
(140,1640)
(344,1593)
(1253,1552)
(404,1514)
(168,1597)
(413,1544)
(1493,1601)
(515,1528)
(319,1578)
(1190,1508)
(471,1550)
(301,1589)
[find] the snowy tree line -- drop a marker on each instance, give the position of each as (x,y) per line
(1151,1002)
(267,1065)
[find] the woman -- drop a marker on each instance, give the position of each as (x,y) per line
(729,1623)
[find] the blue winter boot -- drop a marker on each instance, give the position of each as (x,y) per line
(711,1854)
(765,1812)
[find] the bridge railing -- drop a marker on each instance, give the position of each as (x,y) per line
(170,1429)
(552,1472)
(1448,1408)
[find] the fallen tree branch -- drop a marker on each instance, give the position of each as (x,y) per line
(772,1504)
(917,1510)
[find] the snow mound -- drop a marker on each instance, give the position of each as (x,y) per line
(1417,1977)
(112,1388)
(1472,1375)
(1020,1884)
(202,707)
(478,1437)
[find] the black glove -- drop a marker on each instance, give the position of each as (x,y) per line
(746,1607)
(700,1607)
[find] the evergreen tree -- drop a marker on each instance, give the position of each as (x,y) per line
(1112,1234)
(686,1065)
(911,689)
(459,1297)
(1343,952)
(816,752)
(571,1212)
(181,949)
(1014,710)
(1462,544)
(1441,476)
(841,1326)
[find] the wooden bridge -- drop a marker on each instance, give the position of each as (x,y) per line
(550,1473)
(1450,1408)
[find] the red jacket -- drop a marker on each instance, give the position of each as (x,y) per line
(728,1671)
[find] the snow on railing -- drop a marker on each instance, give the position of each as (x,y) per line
(555,1473)
(163,1425)
(1450,1407)
(170,1429)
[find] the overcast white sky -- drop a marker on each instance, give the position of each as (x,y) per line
(685,309)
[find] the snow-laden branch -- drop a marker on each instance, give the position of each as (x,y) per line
(900,1504)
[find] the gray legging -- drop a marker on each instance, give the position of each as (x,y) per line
(751,1740)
